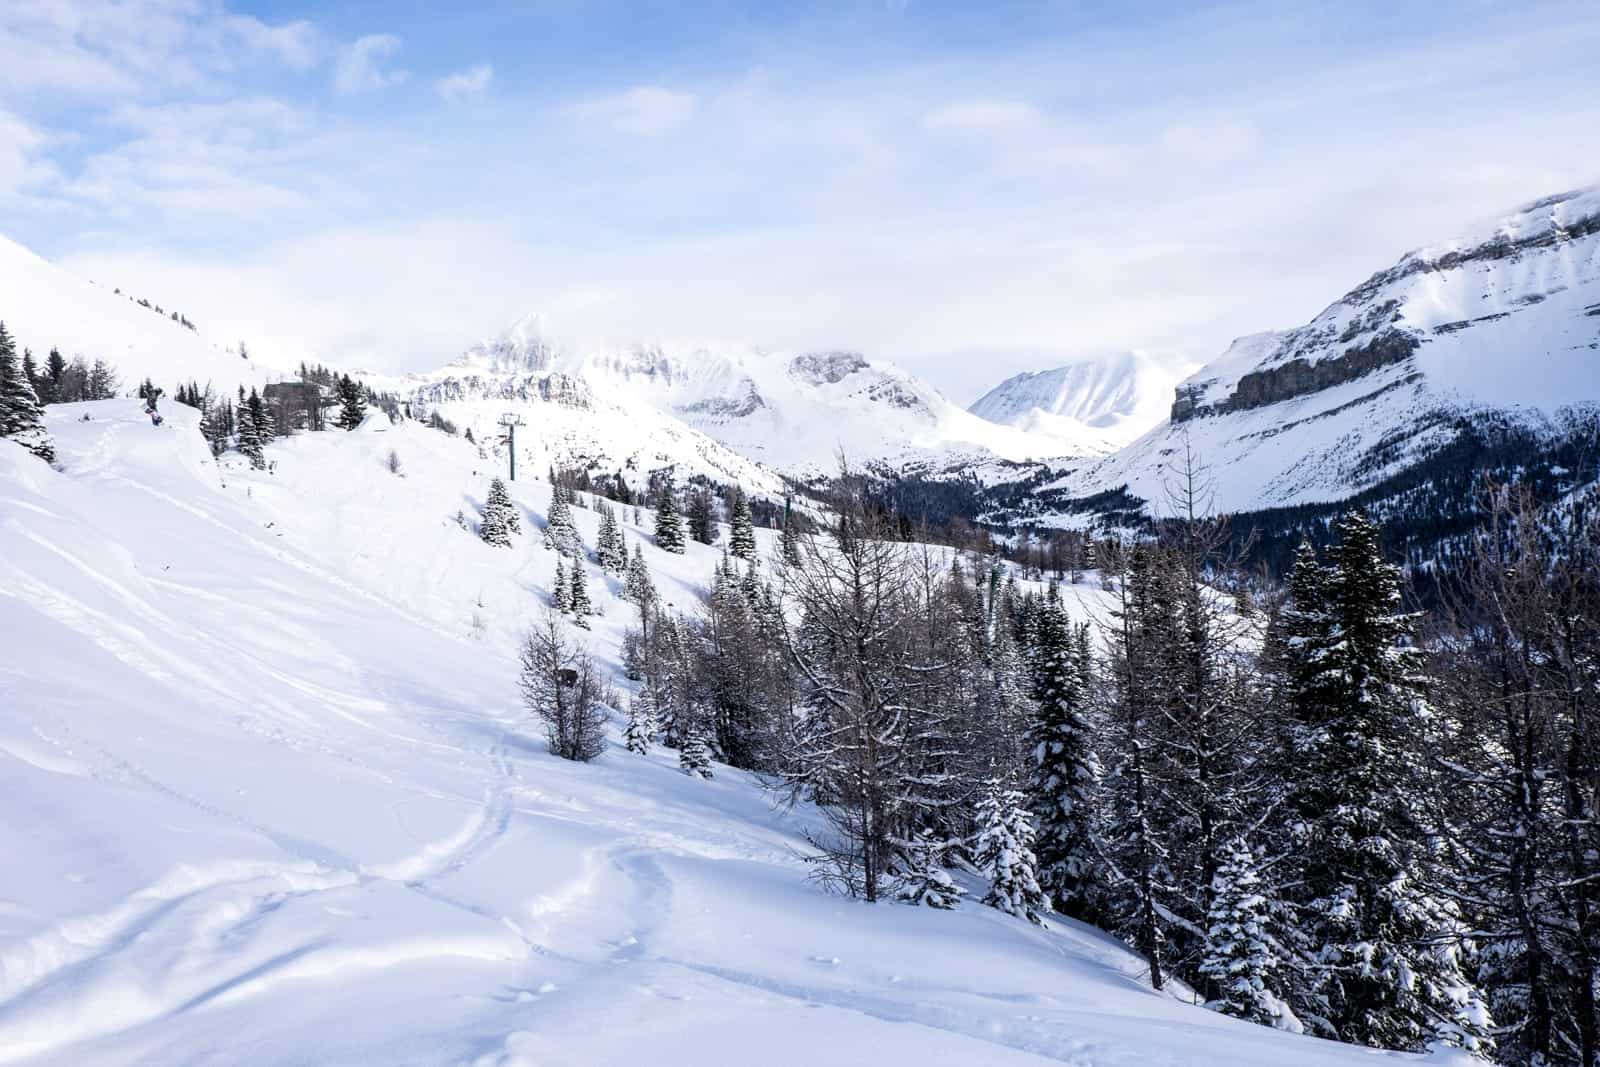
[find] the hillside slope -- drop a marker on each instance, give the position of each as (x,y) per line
(44,306)
(278,802)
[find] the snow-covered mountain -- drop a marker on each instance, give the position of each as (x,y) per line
(45,306)
(273,797)
(1115,398)
(791,412)
(1483,348)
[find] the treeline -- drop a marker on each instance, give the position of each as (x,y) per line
(1320,811)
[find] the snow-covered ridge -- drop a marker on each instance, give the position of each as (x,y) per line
(1501,324)
(1119,397)
(44,306)
(790,412)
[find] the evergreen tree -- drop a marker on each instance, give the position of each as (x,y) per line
(637,586)
(926,880)
(21,416)
(1242,952)
(695,755)
(642,726)
(578,595)
(789,539)
(30,371)
(352,403)
(669,524)
(611,550)
(1005,853)
(701,514)
(499,520)
(53,381)
(1065,770)
(742,532)
(1386,947)
(561,589)
(560,535)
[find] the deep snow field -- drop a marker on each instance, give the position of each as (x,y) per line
(268,795)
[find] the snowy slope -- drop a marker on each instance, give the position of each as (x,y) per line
(791,412)
(271,798)
(44,306)
(1500,325)
(1115,397)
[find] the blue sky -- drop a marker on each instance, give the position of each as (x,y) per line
(967,189)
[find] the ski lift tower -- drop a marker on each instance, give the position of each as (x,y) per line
(511,422)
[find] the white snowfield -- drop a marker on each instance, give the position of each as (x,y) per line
(270,797)
(1114,399)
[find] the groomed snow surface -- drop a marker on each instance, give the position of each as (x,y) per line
(270,797)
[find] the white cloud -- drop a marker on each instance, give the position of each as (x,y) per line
(19,167)
(986,117)
(465,84)
(647,110)
(1212,138)
(360,67)
(296,44)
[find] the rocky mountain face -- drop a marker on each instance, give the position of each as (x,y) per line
(1478,356)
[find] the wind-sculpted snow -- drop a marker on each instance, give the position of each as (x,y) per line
(271,797)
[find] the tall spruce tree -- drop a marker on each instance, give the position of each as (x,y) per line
(499,520)
(742,527)
(1387,949)
(352,403)
(578,602)
(641,730)
(1065,769)
(560,535)
(669,524)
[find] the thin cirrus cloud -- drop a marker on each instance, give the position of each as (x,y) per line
(648,110)
(466,84)
(362,65)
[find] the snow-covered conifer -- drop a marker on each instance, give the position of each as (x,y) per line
(21,416)
(1065,769)
(499,516)
(695,755)
(642,726)
(1004,851)
(560,535)
(926,880)
(669,524)
(561,589)
(610,549)
(637,586)
(1242,954)
(742,532)
(578,601)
